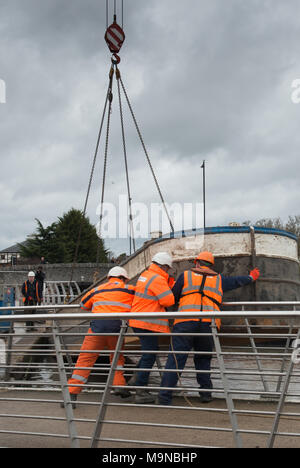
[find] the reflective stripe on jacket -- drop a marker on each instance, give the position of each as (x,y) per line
(152,294)
(191,300)
(113,296)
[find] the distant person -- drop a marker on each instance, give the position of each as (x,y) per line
(40,277)
(111,297)
(43,261)
(197,290)
(32,295)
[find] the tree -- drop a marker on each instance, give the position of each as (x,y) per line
(292,225)
(58,242)
(42,243)
(67,231)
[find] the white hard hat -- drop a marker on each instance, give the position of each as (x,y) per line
(117,271)
(163,258)
(31,273)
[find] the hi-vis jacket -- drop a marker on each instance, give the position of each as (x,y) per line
(32,291)
(152,294)
(192,280)
(202,293)
(110,297)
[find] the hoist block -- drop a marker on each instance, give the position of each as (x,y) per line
(114,37)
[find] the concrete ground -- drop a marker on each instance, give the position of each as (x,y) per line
(37,417)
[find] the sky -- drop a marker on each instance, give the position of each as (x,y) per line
(209,80)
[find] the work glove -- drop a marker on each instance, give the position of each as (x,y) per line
(254,274)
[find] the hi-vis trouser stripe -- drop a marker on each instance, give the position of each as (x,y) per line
(79,377)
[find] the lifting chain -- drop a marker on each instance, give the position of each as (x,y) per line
(145,150)
(114,37)
(110,99)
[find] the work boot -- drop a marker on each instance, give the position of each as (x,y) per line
(132,380)
(73,399)
(143,397)
(122,392)
(160,402)
(205,397)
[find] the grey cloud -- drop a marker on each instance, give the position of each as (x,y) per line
(207,80)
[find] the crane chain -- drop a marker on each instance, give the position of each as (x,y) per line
(110,99)
(126,164)
(146,153)
(90,181)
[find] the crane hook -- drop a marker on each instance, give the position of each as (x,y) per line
(114,37)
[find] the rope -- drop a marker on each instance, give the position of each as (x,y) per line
(131,236)
(106,14)
(115,12)
(179,374)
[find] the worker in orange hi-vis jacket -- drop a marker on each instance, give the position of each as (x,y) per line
(199,289)
(110,297)
(152,294)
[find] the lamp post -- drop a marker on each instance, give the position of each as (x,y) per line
(203,167)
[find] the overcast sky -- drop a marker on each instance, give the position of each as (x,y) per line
(207,79)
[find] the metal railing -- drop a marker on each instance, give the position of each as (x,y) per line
(256,383)
(54,292)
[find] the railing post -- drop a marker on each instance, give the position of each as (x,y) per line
(9,350)
(109,381)
(254,350)
(64,387)
(281,401)
(228,397)
(286,348)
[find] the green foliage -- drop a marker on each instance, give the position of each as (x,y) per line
(57,242)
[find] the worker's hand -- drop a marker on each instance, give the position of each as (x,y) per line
(254,274)
(171,282)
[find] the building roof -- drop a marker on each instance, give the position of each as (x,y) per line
(13,249)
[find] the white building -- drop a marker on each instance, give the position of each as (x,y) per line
(11,254)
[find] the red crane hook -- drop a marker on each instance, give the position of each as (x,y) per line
(114,37)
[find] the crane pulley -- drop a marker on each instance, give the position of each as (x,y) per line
(114,37)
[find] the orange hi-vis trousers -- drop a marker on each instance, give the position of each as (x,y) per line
(95,344)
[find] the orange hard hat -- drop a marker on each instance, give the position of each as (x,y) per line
(206,257)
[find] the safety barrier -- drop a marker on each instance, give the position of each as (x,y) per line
(54,292)
(254,372)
